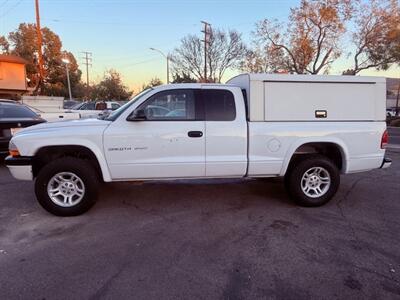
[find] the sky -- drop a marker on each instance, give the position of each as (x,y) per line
(119,33)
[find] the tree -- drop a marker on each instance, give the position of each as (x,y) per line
(152,83)
(110,88)
(265,60)
(4,45)
(56,82)
(225,50)
(183,78)
(23,42)
(376,36)
(310,41)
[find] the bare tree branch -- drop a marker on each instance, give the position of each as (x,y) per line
(225,51)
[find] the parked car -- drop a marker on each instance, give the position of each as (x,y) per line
(49,108)
(391,112)
(55,116)
(155,110)
(68,104)
(92,109)
(306,128)
(13,117)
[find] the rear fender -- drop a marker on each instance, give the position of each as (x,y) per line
(298,143)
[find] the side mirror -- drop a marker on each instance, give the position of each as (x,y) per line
(137,115)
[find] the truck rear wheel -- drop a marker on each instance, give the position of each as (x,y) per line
(312,181)
(67,186)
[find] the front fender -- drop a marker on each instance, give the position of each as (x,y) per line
(29,145)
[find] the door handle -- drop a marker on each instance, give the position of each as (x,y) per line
(195,134)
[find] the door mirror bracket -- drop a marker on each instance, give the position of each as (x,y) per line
(137,115)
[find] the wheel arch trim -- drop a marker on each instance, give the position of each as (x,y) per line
(323,140)
(97,153)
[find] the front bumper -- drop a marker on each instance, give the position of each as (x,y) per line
(386,163)
(20,167)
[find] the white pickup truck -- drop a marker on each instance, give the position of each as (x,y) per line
(309,129)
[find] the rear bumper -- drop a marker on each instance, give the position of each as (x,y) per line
(20,167)
(386,163)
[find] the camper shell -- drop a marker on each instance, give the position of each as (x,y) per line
(282,97)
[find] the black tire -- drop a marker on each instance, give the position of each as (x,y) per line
(294,176)
(79,167)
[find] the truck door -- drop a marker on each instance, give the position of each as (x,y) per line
(226,132)
(169,143)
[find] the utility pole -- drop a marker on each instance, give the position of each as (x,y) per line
(39,43)
(397,99)
(88,62)
(207,34)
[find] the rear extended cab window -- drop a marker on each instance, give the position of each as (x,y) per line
(219,105)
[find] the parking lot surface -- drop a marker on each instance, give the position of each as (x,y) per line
(220,239)
(394,136)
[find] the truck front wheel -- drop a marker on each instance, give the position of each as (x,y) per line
(312,181)
(67,186)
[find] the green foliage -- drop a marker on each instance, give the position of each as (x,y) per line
(23,42)
(110,88)
(152,83)
(183,78)
(4,45)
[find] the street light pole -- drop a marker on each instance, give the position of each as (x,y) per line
(66,62)
(167,58)
(167,69)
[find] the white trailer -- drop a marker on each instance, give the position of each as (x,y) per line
(49,108)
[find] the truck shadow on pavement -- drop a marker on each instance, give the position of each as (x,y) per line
(234,194)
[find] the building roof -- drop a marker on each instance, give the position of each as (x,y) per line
(12,59)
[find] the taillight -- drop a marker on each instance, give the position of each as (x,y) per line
(384,140)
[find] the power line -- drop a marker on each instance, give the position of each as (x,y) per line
(123,58)
(140,62)
(130,24)
(11,8)
(4,3)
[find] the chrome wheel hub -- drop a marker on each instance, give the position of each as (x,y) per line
(66,189)
(315,182)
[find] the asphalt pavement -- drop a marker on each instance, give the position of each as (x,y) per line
(219,239)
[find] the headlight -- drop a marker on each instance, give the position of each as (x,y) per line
(12,149)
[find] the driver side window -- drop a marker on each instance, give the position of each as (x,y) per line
(172,105)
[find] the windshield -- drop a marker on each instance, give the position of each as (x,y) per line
(116,113)
(77,106)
